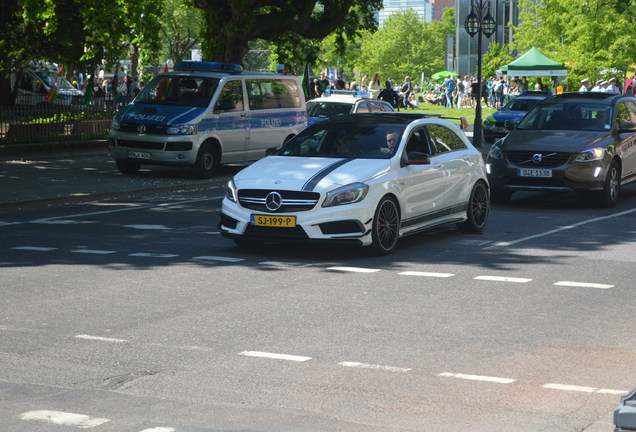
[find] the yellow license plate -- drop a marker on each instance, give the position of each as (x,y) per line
(274,221)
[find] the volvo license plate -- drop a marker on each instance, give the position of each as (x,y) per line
(534,172)
(138,155)
(273,221)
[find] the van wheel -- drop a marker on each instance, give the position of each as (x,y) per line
(127,167)
(207,161)
(386,227)
(477,212)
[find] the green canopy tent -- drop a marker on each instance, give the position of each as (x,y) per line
(534,63)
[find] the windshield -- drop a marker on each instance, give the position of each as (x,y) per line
(345,140)
(189,91)
(48,78)
(517,104)
(326,109)
(568,116)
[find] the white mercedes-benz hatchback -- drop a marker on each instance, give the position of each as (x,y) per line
(365,179)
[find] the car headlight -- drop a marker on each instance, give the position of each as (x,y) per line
(186,129)
(230,191)
(115,125)
(590,155)
(495,152)
(348,194)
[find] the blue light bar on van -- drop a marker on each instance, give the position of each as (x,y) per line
(208,67)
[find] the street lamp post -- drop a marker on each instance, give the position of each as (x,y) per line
(479,22)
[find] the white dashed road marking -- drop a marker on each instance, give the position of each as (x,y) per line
(427,274)
(159,429)
(583,389)
(63,418)
(34,248)
(152,255)
(99,338)
(92,251)
(275,356)
(583,285)
(503,279)
(372,366)
(282,264)
(353,269)
(478,378)
(147,227)
(218,258)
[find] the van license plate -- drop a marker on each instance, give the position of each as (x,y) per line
(274,221)
(534,172)
(138,155)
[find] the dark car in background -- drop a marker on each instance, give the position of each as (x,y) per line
(581,142)
(495,124)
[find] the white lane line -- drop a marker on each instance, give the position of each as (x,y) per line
(153,255)
(274,356)
(99,338)
(353,269)
(554,231)
(93,251)
(427,274)
(64,418)
(373,366)
(159,429)
(218,258)
(280,263)
(147,227)
(34,248)
(583,285)
(53,222)
(583,389)
(497,380)
(503,279)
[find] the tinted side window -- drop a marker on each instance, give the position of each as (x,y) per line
(272,93)
(626,112)
(231,97)
(444,139)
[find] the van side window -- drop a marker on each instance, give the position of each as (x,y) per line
(272,93)
(231,97)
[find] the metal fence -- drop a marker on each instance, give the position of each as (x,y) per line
(51,122)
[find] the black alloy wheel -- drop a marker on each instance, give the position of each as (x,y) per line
(386,226)
(477,211)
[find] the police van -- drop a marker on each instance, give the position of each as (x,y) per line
(205,114)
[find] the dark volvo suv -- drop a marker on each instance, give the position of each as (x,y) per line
(582,142)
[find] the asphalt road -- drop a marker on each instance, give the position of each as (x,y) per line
(132,314)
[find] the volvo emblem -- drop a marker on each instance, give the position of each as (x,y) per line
(273,201)
(141,129)
(536,158)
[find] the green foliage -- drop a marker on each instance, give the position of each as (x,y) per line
(182,27)
(589,37)
(496,56)
(405,45)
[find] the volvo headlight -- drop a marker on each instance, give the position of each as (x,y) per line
(348,194)
(230,191)
(495,152)
(186,129)
(115,125)
(590,155)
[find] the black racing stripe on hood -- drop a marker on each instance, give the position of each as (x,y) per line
(313,182)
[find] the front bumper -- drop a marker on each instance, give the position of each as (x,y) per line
(348,224)
(572,177)
(171,150)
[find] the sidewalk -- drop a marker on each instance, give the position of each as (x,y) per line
(33,176)
(47,175)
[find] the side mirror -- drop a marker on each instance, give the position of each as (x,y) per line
(417,158)
(628,126)
(270,151)
(510,124)
(225,105)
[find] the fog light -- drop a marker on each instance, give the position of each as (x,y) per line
(181,156)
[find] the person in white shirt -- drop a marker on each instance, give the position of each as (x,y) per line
(611,87)
(597,87)
(585,85)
